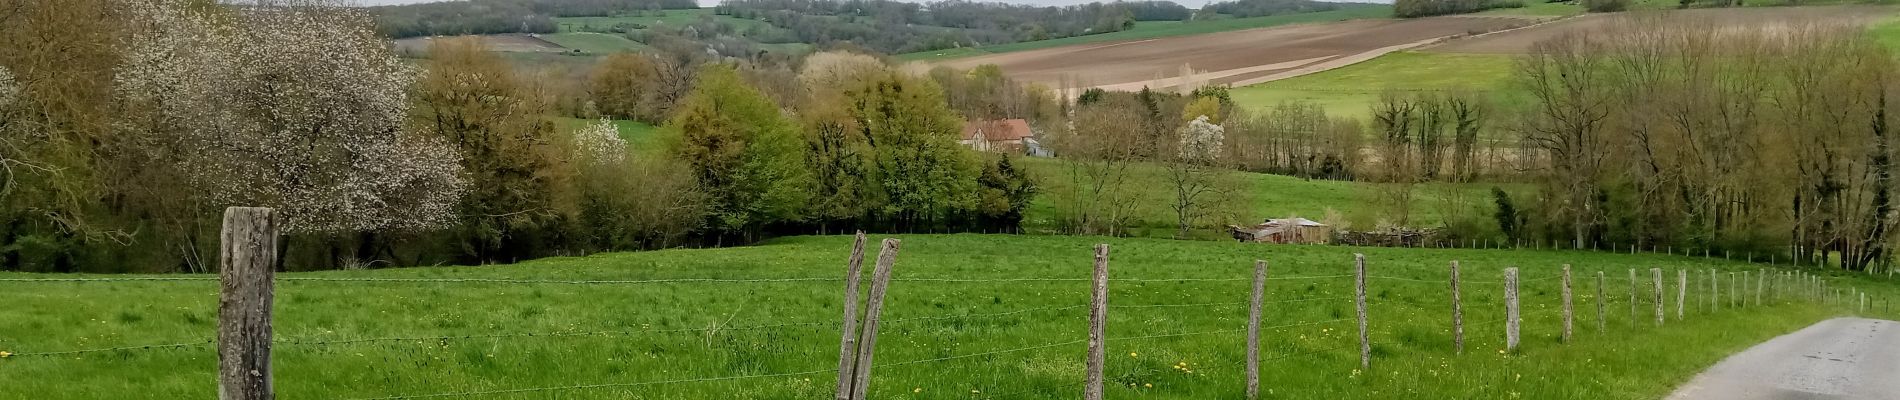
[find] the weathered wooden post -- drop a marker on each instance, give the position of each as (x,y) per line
(1742,297)
(1633,296)
(1657,274)
(1567,310)
(848,344)
(247,263)
(1365,336)
(1253,329)
(1098,327)
(1715,290)
(1457,312)
(1863,301)
(1603,323)
(873,309)
(1682,292)
(1761,280)
(1510,309)
(1734,290)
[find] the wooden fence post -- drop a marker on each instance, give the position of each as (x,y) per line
(1632,296)
(1098,326)
(1457,312)
(1365,336)
(1657,274)
(1734,290)
(848,344)
(247,263)
(880,282)
(1682,292)
(1568,316)
(1603,324)
(1863,302)
(1761,280)
(1715,290)
(1510,309)
(1253,329)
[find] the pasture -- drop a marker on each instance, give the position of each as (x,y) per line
(1261,196)
(968,316)
(1162,29)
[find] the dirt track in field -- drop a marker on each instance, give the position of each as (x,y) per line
(1520,41)
(1238,57)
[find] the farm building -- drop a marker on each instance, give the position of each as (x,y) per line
(1289,230)
(1001,136)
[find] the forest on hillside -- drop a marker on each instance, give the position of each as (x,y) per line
(885,26)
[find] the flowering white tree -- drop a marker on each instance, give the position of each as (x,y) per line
(1202,140)
(297,105)
(599,144)
(1202,182)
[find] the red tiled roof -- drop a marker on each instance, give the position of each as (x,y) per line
(997,130)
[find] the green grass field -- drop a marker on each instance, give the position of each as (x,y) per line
(959,324)
(671,18)
(1539,8)
(595,43)
(639,136)
(1352,90)
(1263,196)
(1156,29)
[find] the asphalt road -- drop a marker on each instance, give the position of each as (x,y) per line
(1837,359)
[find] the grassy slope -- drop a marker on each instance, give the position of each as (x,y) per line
(640,136)
(1352,90)
(672,17)
(1150,30)
(595,43)
(1413,358)
(1538,8)
(1264,196)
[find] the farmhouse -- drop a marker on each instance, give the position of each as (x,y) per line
(1289,230)
(1001,136)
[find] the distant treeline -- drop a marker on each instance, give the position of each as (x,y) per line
(502,16)
(898,27)
(1261,8)
(1427,8)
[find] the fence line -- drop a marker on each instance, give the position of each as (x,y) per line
(247,343)
(638,281)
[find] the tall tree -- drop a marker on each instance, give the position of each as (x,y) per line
(744,153)
(520,176)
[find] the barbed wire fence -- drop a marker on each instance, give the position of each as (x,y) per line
(244,337)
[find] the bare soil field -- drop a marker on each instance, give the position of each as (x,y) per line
(1519,41)
(1238,57)
(509,43)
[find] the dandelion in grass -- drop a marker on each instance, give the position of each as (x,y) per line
(917,390)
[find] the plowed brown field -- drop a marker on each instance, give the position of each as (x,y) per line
(1238,57)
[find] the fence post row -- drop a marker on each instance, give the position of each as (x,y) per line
(1568,316)
(247,263)
(1365,337)
(1510,308)
(1457,312)
(880,281)
(1253,329)
(1657,274)
(1098,326)
(848,343)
